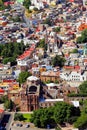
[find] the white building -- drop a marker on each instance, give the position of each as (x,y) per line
(37,4)
(74,76)
(84,2)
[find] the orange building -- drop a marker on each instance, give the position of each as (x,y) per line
(50,76)
(82,27)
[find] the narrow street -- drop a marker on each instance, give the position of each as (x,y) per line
(10,121)
(7,120)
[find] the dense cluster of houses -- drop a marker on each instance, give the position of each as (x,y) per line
(47,84)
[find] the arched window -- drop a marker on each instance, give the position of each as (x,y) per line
(32,108)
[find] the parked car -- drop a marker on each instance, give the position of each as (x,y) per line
(20,125)
(27,125)
(17,124)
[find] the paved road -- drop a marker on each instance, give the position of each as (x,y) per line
(10,121)
(23,128)
(22,8)
(7,120)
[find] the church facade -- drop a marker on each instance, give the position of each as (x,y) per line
(29,99)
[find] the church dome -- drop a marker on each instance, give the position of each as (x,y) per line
(32,78)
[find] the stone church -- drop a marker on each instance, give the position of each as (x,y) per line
(30,97)
(54,43)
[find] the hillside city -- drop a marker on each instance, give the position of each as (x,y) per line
(43,64)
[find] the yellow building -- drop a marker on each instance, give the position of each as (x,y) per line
(4,86)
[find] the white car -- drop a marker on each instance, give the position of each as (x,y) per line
(27,125)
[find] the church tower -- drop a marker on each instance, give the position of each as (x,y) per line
(55,43)
(30,98)
(52,46)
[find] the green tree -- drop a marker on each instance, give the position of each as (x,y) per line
(74,51)
(48,81)
(18,117)
(58,61)
(35,9)
(64,112)
(56,81)
(1,48)
(83,104)
(17,19)
(27,3)
(83,37)
(23,76)
(4,52)
(42,117)
(29,11)
(2,7)
(42,44)
(57,29)
(10,51)
(79,40)
(61,112)
(8,104)
(83,87)
(81,121)
(10,59)
(3,99)
(47,21)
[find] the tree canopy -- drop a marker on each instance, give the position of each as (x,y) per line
(10,51)
(58,114)
(83,37)
(8,104)
(64,112)
(3,98)
(23,76)
(2,6)
(42,44)
(58,61)
(82,119)
(42,117)
(16,19)
(83,87)
(18,117)
(57,29)
(47,21)
(74,51)
(27,3)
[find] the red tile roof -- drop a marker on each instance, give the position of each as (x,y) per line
(1,110)
(1,91)
(27,53)
(71,0)
(77,67)
(85,60)
(37,30)
(82,27)
(72,67)
(69,67)
(9,80)
(8,3)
